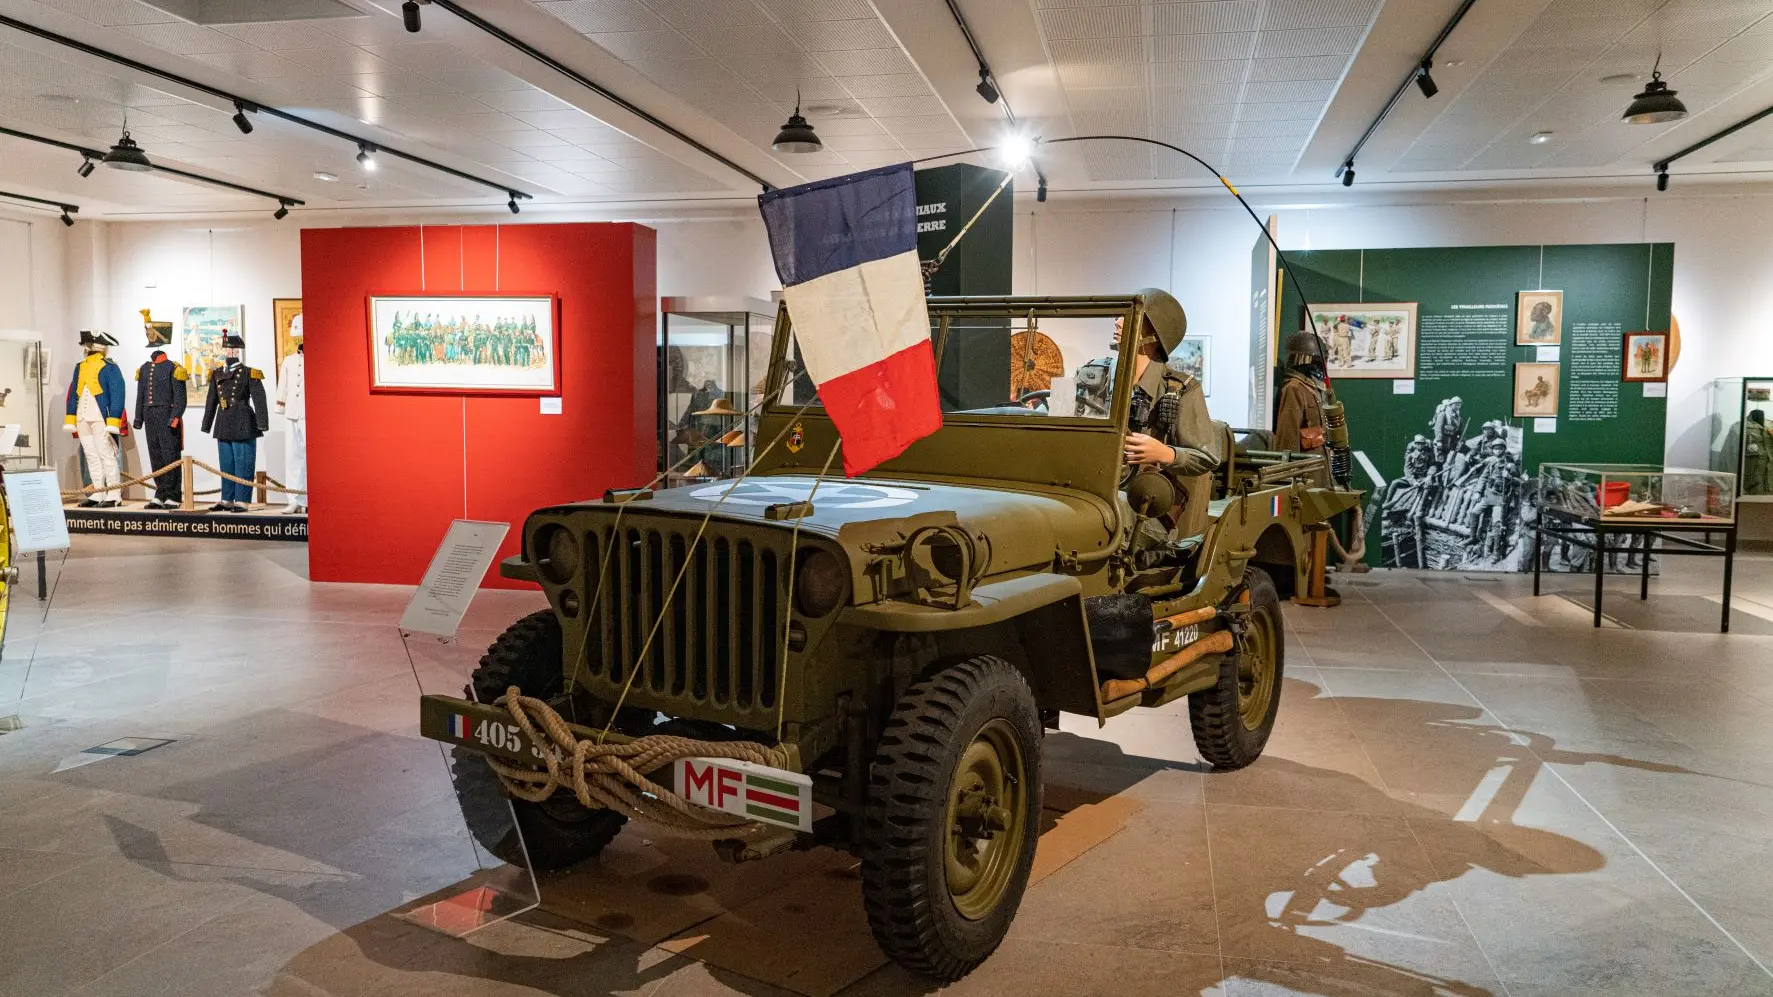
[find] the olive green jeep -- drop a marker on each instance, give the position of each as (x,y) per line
(896,642)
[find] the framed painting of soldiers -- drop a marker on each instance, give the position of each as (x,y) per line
(1646,356)
(1535,390)
(1369,340)
(465,344)
(286,319)
(1538,318)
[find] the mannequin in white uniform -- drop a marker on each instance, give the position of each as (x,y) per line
(292,401)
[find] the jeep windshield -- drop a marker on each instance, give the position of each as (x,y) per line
(1013,415)
(1026,367)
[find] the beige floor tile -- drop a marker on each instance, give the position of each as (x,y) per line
(1051,969)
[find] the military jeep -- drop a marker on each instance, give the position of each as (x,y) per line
(944,609)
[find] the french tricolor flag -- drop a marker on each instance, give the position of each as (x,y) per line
(846,252)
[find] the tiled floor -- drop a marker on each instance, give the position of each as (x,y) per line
(1470,792)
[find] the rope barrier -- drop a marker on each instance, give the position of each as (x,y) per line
(616,776)
(270,484)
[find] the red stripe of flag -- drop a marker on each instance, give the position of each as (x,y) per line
(883,407)
(788,803)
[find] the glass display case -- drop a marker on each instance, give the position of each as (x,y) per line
(713,356)
(23,364)
(1639,493)
(1742,433)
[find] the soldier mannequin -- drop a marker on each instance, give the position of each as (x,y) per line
(1299,406)
(236,415)
(160,409)
(292,401)
(95,415)
(1168,428)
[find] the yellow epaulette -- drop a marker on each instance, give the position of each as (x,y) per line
(179,373)
(138,373)
(257,374)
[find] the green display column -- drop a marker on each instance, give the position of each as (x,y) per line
(976,362)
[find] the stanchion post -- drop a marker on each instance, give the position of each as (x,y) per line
(258,484)
(42,579)
(188,478)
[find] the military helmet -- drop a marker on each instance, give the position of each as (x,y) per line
(1304,348)
(1164,319)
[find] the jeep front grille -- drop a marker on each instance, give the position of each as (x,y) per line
(720,643)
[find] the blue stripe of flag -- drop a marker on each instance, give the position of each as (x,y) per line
(830,225)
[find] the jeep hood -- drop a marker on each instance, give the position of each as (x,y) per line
(1020,528)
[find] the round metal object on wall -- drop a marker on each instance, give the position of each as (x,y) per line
(1034,361)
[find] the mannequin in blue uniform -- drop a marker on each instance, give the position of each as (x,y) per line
(95,415)
(236,415)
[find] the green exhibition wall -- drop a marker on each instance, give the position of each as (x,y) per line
(1465,348)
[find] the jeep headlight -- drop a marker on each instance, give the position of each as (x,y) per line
(820,583)
(559,553)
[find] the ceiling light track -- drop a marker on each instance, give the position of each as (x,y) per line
(242,105)
(91,156)
(1662,165)
(1419,77)
(68,210)
(992,93)
(475,20)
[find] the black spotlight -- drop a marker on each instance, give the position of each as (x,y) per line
(366,157)
(1425,82)
(512,204)
(86,167)
(409,12)
(68,219)
(986,88)
(1348,174)
(1040,191)
(1662,179)
(241,121)
(282,211)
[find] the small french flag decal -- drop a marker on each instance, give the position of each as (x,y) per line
(1276,510)
(459,726)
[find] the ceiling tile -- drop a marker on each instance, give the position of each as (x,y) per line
(522,100)
(1069,51)
(111,12)
(1309,110)
(477,80)
(1186,74)
(1307,42)
(1197,18)
(344,60)
(861,143)
(1319,67)
(890,107)
(842,36)
(184,38)
(866,62)
(889,85)
(1285,90)
(631,45)
(701,12)
(741,40)
(1317,13)
(1092,22)
(1083,76)
(1200,48)
(589,16)
(794,11)
(275,36)
(400,83)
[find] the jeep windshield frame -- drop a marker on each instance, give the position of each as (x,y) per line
(989,449)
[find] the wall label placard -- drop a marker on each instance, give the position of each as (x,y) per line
(38,520)
(453,577)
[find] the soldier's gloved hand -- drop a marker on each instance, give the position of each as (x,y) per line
(1142,449)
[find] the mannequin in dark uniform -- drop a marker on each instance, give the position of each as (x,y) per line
(236,415)
(160,410)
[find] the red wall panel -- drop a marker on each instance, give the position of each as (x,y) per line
(388,472)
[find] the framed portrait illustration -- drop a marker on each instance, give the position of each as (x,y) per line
(465,344)
(1194,356)
(286,319)
(201,345)
(1538,318)
(1535,390)
(1374,340)
(1646,356)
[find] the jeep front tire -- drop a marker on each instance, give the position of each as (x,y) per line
(952,817)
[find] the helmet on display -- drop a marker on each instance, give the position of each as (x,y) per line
(1304,348)
(1165,321)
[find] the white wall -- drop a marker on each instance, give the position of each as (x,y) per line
(1197,247)
(33,307)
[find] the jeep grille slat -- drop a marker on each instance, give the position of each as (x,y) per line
(720,643)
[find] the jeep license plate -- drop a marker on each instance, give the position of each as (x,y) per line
(773,796)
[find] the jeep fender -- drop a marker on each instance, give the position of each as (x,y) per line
(1035,621)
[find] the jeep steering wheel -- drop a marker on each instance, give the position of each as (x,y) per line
(1034,396)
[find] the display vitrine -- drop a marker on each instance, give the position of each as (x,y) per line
(1638,493)
(713,355)
(1742,433)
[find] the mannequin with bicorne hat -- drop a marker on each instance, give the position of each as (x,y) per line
(236,415)
(95,415)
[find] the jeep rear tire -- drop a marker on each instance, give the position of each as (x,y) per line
(952,816)
(557,832)
(1232,720)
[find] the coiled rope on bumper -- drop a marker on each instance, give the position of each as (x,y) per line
(615,776)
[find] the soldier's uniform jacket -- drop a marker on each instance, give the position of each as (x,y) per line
(159,389)
(1186,428)
(1299,415)
(235,410)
